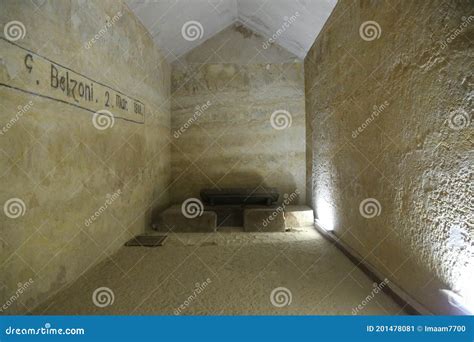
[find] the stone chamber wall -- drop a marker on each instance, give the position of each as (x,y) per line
(57,169)
(389,111)
(224,93)
(387,123)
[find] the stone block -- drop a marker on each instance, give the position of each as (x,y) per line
(298,216)
(264,220)
(173,220)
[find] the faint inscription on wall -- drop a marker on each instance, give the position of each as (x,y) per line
(40,76)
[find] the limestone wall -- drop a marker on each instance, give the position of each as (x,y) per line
(74,188)
(223,96)
(390,108)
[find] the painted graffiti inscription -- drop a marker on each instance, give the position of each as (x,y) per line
(40,76)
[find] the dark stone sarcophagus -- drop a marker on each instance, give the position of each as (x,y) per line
(239,196)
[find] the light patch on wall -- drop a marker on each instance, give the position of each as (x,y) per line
(459,304)
(325,212)
(456,239)
(465,284)
(461,296)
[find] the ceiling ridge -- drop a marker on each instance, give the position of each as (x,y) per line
(291,25)
(251,26)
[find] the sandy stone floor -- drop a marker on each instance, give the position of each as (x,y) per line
(227,273)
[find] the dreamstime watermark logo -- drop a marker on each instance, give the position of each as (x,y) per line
(22,287)
(103,296)
(21,111)
(192,208)
(46,330)
(370,30)
(287,199)
(198,289)
(199,110)
(281,119)
(280,297)
(14,208)
(110,198)
(192,30)
(14,30)
(459,119)
(377,110)
(370,207)
(377,288)
(454,34)
(287,22)
(109,23)
(103,119)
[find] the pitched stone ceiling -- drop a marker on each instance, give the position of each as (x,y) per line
(294,23)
